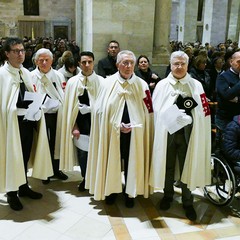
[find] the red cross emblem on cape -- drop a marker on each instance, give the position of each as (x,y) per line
(148,101)
(205,105)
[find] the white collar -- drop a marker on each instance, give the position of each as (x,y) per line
(122,80)
(184,80)
(12,69)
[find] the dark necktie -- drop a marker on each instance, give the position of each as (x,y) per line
(22,86)
(84,120)
(125,116)
(84,99)
(20,102)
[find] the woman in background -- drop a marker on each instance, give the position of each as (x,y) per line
(70,68)
(146,73)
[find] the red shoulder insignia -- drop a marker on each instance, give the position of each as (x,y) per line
(205,105)
(148,101)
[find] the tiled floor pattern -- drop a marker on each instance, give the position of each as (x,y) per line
(66,214)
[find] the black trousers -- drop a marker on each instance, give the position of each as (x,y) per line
(125,139)
(82,160)
(176,149)
(51,126)
(26,129)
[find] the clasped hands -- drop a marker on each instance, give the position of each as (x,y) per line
(125,127)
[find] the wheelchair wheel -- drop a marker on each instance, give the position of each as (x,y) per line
(223,184)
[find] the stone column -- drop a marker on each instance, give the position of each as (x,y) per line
(190,20)
(239,38)
(207,21)
(181,20)
(162,21)
(233,28)
(78,25)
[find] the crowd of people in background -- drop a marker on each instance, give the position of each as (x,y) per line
(114,107)
(205,61)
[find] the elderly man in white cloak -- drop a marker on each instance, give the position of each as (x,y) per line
(52,83)
(125,115)
(182,140)
(18,124)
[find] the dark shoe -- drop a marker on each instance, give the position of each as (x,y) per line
(190,213)
(81,187)
(28,192)
(129,202)
(177,184)
(60,175)
(110,200)
(45,182)
(165,203)
(14,203)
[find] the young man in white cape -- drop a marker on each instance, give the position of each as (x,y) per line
(79,101)
(187,148)
(17,132)
(124,114)
(52,83)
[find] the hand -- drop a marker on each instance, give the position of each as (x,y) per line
(154,76)
(50,110)
(33,116)
(184,120)
(50,105)
(125,128)
(152,85)
(235,100)
(84,109)
(76,133)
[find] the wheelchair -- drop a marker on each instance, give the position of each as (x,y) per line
(225,180)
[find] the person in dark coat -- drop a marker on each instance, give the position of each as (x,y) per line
(199,72)
(231,141)
(107,66)
(145,72)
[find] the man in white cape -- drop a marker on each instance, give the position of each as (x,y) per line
(17,133)
(184,147)
(52,83)
(122,129)
(76,118)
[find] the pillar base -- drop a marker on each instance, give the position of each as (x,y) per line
(161,55)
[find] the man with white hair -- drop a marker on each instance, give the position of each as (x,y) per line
(182,139)
(52,83)
(125,114)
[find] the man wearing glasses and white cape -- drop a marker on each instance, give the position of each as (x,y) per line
(182,139)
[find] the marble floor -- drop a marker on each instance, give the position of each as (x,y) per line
(66,214)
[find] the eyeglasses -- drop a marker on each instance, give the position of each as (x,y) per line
(127,63)
(179,64)
(18,51)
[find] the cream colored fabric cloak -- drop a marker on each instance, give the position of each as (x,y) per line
(12,173)
(44,84)
(197,171)
(104,162)
(67,75)
(74,88)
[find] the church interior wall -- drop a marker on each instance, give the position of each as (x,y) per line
(129,22)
